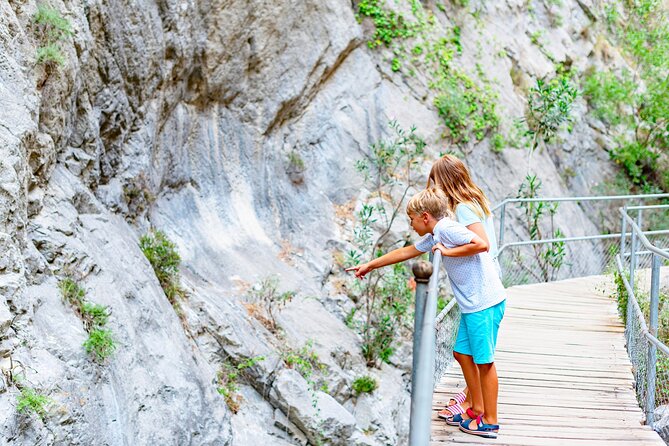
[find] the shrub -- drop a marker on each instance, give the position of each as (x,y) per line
(50,54)
(636,102)
(468,111)
(31,401)
(71,292)
(549,257)
(364,384)
(383,299)
(621,296)
(52,28)
(305,360)
(388,24)
(266,294)
(163,256)
(100,344)
(607,94)
(94,315)
(228,381)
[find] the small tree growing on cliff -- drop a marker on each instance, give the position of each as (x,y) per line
(384,297)
(549,109)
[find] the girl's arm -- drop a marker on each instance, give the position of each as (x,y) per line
(479,229)
(476,246)
(396,256)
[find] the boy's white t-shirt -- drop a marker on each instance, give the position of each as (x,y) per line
(474,279)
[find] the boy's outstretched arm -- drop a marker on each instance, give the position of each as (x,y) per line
(396,256)
(476,246)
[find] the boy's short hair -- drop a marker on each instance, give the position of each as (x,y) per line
(431,200)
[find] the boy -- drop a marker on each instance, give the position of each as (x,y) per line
(477,290)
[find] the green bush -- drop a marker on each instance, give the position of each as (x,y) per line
(228,381)
(621,296)
(498,142)
(364,384)
(100,344)
(549,257)
(31,401)
(163,256)
(607,94)
(94,315)
(468,111)
(50,53)
(305,360)
(636,102)
(550,107)
(383,299)
(388,24)
(71,292)
(52,28)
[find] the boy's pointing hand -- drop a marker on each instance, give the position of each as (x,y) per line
(360,270)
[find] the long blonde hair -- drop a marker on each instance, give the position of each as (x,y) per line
(451,176)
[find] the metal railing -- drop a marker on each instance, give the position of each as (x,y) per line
(422,373)
(588,254)
(432,356)
(649,355)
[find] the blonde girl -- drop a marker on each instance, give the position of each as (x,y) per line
(465,199)
(472,209)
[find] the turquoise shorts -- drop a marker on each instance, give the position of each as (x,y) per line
(477,334)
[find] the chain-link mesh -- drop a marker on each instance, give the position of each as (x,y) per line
(637,348)
(637,321)
(447,329)
(528,263)
(661,409)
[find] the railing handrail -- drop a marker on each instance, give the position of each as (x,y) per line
(584,198)
(575,239)
(650,330)
(649,246)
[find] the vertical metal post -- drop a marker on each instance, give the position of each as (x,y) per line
(501,224)
(423,385)
(652,349)
(422,271)
(633,258)
(623,234)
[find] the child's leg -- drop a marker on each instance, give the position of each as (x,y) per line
(490,389)
(462,353)
(483,327)
(471,374)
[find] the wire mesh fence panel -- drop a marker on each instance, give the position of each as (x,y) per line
(539,263)
(661,409)
(447,328)
(637,349)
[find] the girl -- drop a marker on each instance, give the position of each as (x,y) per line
(471,208)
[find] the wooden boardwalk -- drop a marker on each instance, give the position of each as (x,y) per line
(564,375)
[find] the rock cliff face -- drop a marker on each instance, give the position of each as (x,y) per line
(183,116)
